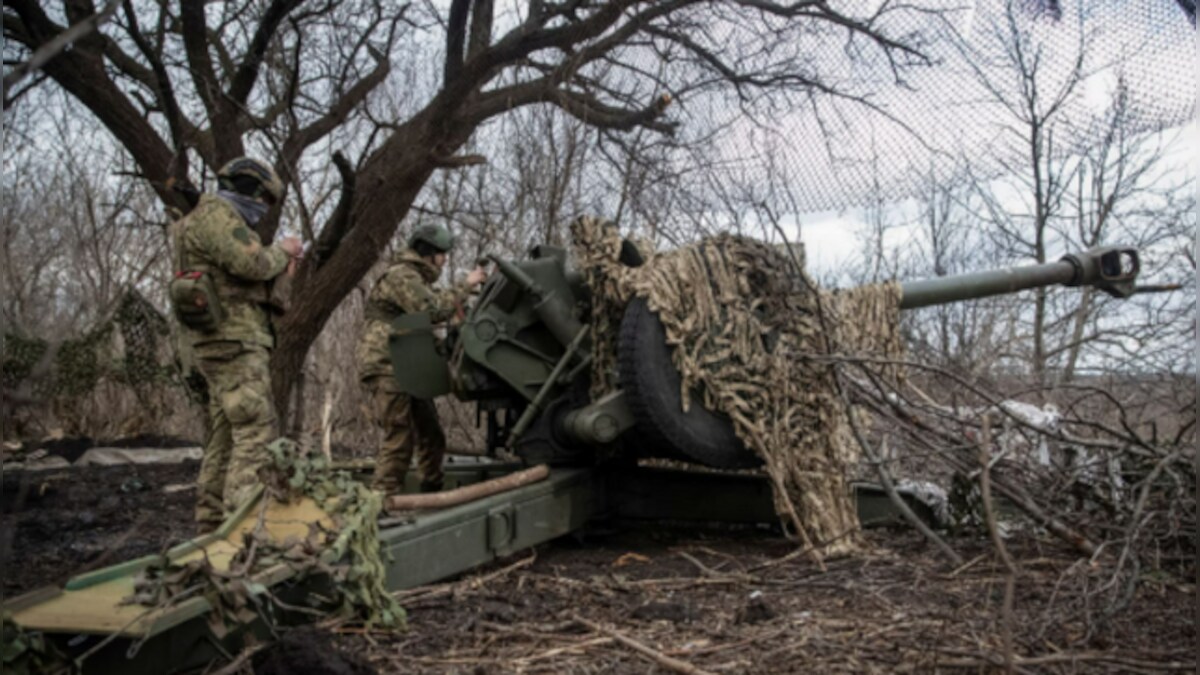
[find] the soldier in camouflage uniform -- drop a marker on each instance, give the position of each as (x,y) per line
(407,422)
(216,239)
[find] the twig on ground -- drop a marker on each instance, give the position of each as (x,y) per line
(565,649)
(658,657)
(968,565)
(976,660)
(428,592)
(714,574)
(985,489)
(885,478)
(240,660)
(795,554)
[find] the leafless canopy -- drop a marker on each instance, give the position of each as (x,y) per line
(187,86)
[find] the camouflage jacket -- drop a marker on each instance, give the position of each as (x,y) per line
(215,239)
(406,287)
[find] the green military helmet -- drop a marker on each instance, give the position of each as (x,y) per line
(258,170)
(436,236)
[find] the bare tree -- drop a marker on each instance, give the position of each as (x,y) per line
(946,240)
(1068,191)
(75,240)
(185,87)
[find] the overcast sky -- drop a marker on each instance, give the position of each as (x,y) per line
(1147,42)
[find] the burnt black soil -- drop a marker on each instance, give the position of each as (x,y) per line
(308,651)
(60,523)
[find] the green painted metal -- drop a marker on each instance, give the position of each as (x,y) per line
(875,507)
(417,365)
(553,382)
(437,545)
(509,348)
(600,422)
(513,340)
(427,547)
(553,302)
(1113,270)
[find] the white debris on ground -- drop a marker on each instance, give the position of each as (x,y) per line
(929,494)
(40,460)
(118,456)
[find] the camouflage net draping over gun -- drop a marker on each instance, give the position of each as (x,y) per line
(347,553)
(752,336)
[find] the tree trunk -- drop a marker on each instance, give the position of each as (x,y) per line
(383,198)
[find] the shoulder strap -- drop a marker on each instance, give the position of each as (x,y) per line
(176,230)
(180,227)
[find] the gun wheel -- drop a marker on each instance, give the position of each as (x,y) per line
(652,387)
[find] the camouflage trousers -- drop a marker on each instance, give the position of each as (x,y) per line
(241,419)
(408,423)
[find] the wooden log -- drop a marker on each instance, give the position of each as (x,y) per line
(468,493)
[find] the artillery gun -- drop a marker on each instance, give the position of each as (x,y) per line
(523,355)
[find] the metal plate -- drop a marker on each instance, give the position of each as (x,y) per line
(419,369)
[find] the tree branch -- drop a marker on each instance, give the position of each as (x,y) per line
(481,27)
(222,115)
(164,94)
(318,129)
(342,219)
(247,72)
(52,48)
(80,71)
(589,110)
(456,30)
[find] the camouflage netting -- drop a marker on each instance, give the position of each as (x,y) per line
(754,336)
(24,652)
(75,383)
(348,552)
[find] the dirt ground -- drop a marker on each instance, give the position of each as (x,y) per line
(62,522)
(723,603)
(660,600)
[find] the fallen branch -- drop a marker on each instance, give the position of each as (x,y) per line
(469,493)
(578,647)
(242,660)
(658,657)
(424,593)
(985,491)
(1015,495)
(797,553)
(982,659)
(885,479)
(714,574)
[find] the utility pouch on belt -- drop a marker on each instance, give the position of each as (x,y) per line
(195,300)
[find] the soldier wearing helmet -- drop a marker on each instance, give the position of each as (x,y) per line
(220,294)
(408,423)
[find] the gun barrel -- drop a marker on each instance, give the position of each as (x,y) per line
(983,284)
(1113,270)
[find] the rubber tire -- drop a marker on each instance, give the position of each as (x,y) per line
(651,384)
